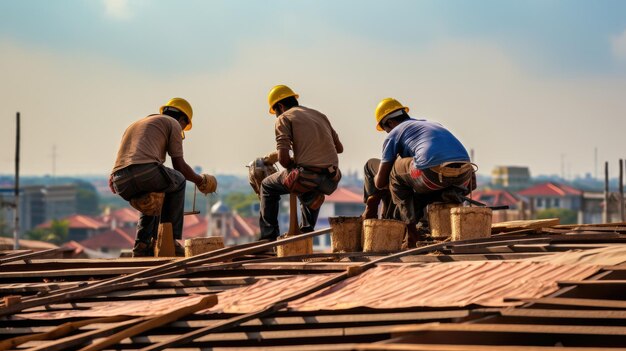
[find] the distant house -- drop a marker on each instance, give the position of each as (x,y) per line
(80,227)
(553,195)
(111,242)
(518,206)
(231,226)
(121,218)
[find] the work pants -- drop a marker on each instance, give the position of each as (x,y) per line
(412,190)
(136,180)
(369,189)
(271,189)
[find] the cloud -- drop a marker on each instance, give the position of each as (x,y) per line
(618,46)
(117,9)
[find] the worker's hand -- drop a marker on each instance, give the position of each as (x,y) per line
(270,158)
(208,184)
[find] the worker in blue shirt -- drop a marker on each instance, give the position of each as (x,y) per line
(422,163)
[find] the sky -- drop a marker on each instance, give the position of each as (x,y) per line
(524,83)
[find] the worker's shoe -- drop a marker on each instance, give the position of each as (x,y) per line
(415,234)
(142,249)
(179,250)
(149,204)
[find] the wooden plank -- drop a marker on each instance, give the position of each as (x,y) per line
(27,256)
(519,328)
(56,332)
(406,344)
(81,338)
(77,272)
(600,283)
(527,224)
(560,313)
(204,303)
(562,301)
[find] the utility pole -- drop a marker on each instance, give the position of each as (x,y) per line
(621,189)
(605,210)
(54,162)
(563,166)
(16,228)
(595,163)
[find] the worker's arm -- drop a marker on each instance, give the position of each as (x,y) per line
(180,165)
(338,146)
(284,159)
(382,177)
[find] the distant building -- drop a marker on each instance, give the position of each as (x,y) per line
(553,195)
(39,204)
(518,206)
(231,226)
(512,177)
(80,227)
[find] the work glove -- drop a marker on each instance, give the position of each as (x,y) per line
(271,158)
(208,184)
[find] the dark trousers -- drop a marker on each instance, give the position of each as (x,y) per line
(369,189)
(411,194)
(136,180)
(271,189)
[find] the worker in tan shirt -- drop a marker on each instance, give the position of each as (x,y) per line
(313,170)
(140,177)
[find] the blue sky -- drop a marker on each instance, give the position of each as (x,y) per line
(515,80)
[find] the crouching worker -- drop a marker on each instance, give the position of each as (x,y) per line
(422,162)
(312,172)
(140,177)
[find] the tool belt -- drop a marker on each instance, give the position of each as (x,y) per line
(304,179)
(452,169)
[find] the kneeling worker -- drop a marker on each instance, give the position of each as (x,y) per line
(421,161)
(140,177)
(312,172)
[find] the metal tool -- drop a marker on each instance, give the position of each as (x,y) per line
(193,209)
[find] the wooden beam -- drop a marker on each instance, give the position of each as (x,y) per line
(560,313)
(562,301)
(204,303)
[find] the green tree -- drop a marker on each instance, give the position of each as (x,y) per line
(241,202)
(56,234)
(566,216)
(87,199)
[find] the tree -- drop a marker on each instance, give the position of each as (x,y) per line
(56,234)
(242,202)
(566,216)
(86,199)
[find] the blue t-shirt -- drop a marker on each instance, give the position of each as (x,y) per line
(429,143)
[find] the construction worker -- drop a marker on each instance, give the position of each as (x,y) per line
(140,177)
(422,163)
(313,170)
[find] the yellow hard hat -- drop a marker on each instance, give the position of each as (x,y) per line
(278,93)
(385,107)
(183,106)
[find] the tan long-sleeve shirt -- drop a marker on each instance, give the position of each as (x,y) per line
(310,135)
(148,140)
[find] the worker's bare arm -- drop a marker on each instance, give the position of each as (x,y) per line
(283,158)
(382,177)
(180,165)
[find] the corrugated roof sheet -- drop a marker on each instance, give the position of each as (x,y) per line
(431,285)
